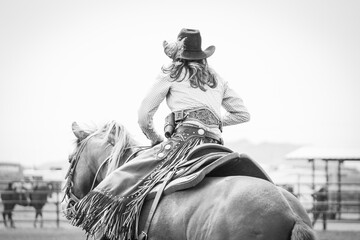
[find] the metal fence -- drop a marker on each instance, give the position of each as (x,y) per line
(330,202)
(24,214)
(328,205)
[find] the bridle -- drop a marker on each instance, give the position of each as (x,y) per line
(70,198)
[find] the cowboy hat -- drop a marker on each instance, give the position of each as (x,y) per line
(188,46)
(192,45)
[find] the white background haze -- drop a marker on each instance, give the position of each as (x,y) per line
(296,64)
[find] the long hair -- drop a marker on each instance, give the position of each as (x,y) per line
(198,71)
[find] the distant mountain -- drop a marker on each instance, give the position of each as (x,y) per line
(264,153)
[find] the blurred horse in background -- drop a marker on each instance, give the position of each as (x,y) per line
(10,197)
(14,195)
(38,199)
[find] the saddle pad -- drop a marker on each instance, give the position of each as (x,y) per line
(212,164)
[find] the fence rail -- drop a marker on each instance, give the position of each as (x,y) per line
(334,208)
(332,201)
(23,212)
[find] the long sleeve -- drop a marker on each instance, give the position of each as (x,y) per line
(150,105)
(234,105)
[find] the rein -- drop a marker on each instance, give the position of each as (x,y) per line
(97,172)
(70,174)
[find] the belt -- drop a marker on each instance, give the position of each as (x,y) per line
(188,131)
(203,115)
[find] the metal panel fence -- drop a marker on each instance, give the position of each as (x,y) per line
(330,202)
(328,205)
(23,208)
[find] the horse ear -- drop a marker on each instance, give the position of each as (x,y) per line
(78,132)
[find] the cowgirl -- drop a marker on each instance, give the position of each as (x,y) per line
(195,95)
(193,91)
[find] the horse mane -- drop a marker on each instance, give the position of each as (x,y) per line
(121,141)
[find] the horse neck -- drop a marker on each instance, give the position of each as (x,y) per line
(128,155)
(125,157)
(91,165)
(92,157)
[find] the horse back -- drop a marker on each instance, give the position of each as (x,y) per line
(237,207)
(39,196)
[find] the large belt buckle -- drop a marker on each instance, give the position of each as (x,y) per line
(179,115)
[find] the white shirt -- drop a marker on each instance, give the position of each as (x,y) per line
(181,96)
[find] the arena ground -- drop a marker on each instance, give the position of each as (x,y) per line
(65,233)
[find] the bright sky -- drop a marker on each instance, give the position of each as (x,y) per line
(296,64)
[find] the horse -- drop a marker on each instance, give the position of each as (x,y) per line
(10,198)
(233,207)
(37,198)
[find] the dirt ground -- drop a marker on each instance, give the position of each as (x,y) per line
(76,234)
(338,235)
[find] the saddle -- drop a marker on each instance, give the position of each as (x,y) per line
(211,160)
(206,160)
